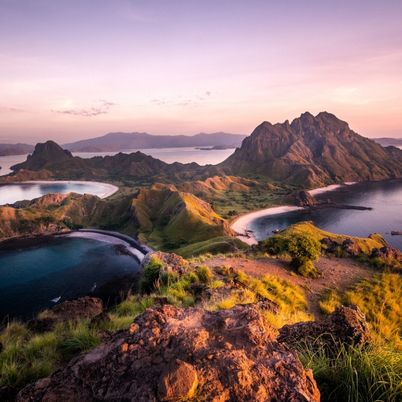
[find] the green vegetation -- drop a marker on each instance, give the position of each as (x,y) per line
(302,248)
(307,237)
(380,300)
(289,299)
(216,245)
(27,356)
(355,374)
(330,300)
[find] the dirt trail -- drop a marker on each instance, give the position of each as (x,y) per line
(335,273)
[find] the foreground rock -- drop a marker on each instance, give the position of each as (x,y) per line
(347,326)
(172,354)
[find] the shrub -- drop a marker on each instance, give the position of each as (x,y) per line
(204,274)
(330,300)
(151,275)
(307,269)
(302,248)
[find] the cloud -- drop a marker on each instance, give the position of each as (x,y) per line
(7,109)
(194,100)
(102,107)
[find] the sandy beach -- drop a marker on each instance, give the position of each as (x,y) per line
(241,225)
(107,239)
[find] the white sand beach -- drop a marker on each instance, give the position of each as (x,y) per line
(106,239)
(241,225)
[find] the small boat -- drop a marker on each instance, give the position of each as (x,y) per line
(276,231)
(93,287)
(56,299)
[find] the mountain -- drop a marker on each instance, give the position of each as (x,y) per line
(386,142)
(124,141)
(313,151)
(15,149)
(50,157)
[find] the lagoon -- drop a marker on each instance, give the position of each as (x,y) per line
(35,271)
(10,193)
(384,197)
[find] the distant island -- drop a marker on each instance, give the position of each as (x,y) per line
(387,141)
(115,142)
(125,141)
(15,149)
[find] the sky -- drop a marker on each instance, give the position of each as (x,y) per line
(73,69)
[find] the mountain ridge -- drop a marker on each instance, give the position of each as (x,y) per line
(313,151)
(119,141)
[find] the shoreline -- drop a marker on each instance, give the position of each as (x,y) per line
(242,223)
(106,238)
(111,188)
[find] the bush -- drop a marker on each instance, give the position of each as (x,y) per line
(204,274)
(302,248)
(151,275)
(307,269)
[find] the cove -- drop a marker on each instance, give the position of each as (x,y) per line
(35,271)
(384,197)
(13,192)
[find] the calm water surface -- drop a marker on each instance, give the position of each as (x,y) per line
(68,267)
(384,197)
(10,193)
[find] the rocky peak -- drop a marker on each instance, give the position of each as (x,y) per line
(44,153)
(313,151)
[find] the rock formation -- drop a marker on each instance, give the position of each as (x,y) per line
(313,151)
(305,199)
(347,326)
(172,354)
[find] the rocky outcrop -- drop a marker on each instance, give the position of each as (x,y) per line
(387,252)
(172,354)
(346,325)
(313,151)
(71,310)
(43,155)
(305,199)
(171,262)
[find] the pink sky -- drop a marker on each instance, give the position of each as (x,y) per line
(76,69)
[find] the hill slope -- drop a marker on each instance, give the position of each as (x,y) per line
(313,151)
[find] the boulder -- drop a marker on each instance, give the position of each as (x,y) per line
(172,263)
(173,354)
(386,252)
(346,325)
(70,310)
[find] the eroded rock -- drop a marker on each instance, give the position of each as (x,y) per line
(346,325)
(171,353)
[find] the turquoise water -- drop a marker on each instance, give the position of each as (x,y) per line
(34,274)
(10,193)
(384,197)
